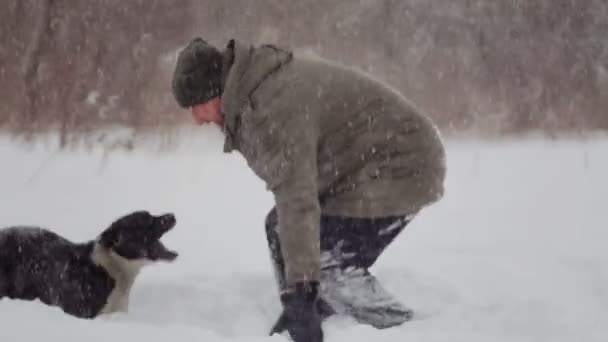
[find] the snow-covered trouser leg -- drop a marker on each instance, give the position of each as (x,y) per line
(349,246)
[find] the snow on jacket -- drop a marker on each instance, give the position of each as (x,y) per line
(326,139)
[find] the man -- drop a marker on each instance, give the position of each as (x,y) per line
(350,162)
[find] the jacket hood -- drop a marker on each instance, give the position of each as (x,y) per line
(250,66)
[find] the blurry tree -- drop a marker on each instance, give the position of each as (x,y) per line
(492,67)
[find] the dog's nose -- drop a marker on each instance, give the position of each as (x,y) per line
(168,219)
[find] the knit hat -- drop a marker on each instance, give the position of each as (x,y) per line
(197,77)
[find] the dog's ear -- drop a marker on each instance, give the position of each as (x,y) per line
(109,239)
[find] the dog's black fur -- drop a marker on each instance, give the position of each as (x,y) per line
(83,279)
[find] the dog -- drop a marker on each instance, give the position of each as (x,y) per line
(84,279)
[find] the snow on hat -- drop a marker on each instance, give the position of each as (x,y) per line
(198,73)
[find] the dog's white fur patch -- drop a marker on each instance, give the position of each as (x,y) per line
(123,271)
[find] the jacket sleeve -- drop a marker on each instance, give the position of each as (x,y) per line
(297,201)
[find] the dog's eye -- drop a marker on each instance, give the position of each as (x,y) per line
(118,240)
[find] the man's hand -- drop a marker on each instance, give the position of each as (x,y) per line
(300,315)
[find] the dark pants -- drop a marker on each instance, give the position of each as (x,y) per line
(345,241)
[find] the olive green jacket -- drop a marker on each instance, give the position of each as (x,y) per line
(326,139)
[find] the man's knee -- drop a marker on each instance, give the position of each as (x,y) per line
(272,234)
(358,242)
(274,246)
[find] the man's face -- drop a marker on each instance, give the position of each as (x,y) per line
(209,111)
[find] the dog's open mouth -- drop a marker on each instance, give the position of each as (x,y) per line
(158,251)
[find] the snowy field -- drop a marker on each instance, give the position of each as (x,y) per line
(516,251)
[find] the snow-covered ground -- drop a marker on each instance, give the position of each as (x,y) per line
(516,251)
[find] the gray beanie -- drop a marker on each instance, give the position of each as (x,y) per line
(197,77)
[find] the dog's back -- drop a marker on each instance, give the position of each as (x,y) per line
(20,253)
(38,264)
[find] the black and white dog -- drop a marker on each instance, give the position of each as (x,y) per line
(83,279)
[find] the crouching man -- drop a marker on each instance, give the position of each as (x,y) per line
(349,160)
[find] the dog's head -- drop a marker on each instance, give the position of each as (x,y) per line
(136,237)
